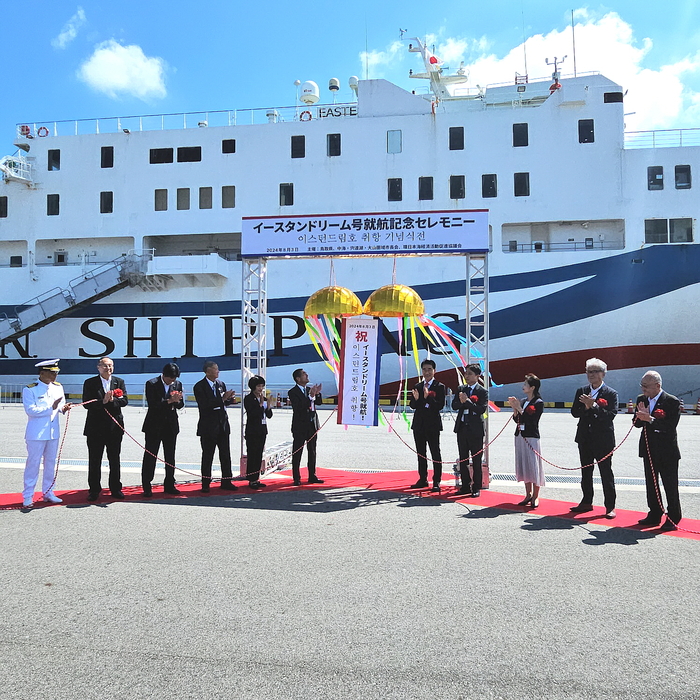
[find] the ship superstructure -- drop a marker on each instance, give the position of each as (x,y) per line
(592,230)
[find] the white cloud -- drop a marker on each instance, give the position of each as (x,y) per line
(377,63)
(70,30)
(118,70)
(660,97)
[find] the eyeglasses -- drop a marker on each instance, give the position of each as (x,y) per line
(593,371)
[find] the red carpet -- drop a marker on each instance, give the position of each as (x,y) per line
(379,481)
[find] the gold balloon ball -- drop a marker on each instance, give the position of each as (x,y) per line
(394,301)
(333,301)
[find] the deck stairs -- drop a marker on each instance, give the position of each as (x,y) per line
(127,270)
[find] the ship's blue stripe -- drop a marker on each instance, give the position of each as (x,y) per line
(614,283)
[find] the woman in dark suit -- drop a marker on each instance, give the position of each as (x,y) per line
(257,413)
(528,463)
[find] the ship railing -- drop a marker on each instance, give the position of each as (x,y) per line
(544,247)
(185,120)
(663,138)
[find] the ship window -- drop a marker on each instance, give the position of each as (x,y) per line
(161,200)
(394,189)
(457,187)
(681,230)
(107,157)
(683,181)
(205,197)
(456,138)
(60,257)
(228,197)
(298,146)
(656,231)
(425,188)
(52,205)
(655,177)
(588,243)
(106,202)
(228,146)
(189,154)
(586,132)
(183,198)
(15,261)
(609,97)
(520,135)
(489,186)
(512,246)
(393,141)
(521,184)
(161,155)
(287,193)
(54,159)
(333,144)
(3,207)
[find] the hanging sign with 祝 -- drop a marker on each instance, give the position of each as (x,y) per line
(358,393)
(394,233)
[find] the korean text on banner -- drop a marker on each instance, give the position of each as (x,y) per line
(358,395)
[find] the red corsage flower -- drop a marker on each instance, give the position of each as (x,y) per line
(117,393)
(474,398)
(659,413)
(602,403)
(431,393)
(530,410)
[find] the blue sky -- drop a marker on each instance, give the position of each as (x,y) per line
(94,58)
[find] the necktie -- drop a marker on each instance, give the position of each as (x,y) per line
(215,389)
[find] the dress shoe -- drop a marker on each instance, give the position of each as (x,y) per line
(534,502)
(28,503)
(118,494)
(205,486)
(147,491)
(93,495)
(172,490)
(256,485)
(476,494)
(611,514)
(297,482)
(435,489)
(52,498)
(582,508)
(419,485)
(315,481)
(650,521)
(668,526)
(525,501)
(228,486)
(463,491)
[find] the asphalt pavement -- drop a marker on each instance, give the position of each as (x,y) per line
(344,593)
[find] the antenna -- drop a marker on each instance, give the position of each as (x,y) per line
(366,52)
(573,40)
(522,8)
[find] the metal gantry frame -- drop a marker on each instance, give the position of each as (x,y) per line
(254,323)
(477,321)
(253,327)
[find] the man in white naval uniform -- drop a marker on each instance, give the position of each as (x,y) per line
(43,401)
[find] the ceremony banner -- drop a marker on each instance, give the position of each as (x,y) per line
(393,233)
(358,393)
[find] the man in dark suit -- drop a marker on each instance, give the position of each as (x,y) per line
(161,425)
(108,396)
(427,400)
(595,406)
(658,413)
(471,403)
(213,427)
(305,425)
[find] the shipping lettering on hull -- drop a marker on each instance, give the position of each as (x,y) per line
(392,233)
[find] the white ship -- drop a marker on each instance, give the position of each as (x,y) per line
(122,236)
